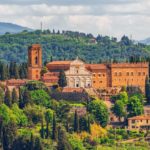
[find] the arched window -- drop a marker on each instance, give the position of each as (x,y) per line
(36,60)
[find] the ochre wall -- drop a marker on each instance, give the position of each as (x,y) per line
(34,67)
(121,74)
(99,79)
(129,74)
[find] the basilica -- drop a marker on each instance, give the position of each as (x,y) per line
(82,75)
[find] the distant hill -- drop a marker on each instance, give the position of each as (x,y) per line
(11,28)
(68,45)
(146,41)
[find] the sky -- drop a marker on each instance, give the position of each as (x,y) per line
(106,17)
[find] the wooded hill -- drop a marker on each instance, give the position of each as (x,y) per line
(68,45)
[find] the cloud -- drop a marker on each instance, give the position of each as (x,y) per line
(67,2)
(107,17)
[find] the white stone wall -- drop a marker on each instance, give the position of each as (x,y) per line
(78,76)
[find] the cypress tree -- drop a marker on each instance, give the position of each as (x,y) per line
(16,71)
(37,144)
(62,79)
(11,70)
(76,122)
(89,125)
(63,143)
(14,96)
(47,129)
(42,129)
(26,97)
(3,72)
(54,128)
(7,99)
(147,89)
(31,142)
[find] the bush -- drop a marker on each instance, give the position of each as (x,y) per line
(40,97)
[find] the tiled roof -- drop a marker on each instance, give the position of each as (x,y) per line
(59,63)
(95,66)
(139,118)
(70,90)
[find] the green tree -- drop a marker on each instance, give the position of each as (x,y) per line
(14,96)
(7,99)
(76,122)
(42,131)
(2,95)
(40,97)
(43,71)
(62,79)
(147,89)
(5,114)
(20,116)
(48,118)
(16,71)
(135,106)
(9,134)
(123,96)
(89,125)
(37,144)
(54,130)
(63,143)
(100,112)
(26,97)
(4,72)
(119,109)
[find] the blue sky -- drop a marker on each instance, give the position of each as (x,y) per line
(106,17)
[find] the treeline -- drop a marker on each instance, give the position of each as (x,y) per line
(13,71)
(67,45)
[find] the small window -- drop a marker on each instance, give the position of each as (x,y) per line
(133,121)
(115,73)
(131,73)
(143,73)
(37,76)
(94,75)
(77,71)
(120,73)
(139,73)
(94,82)
(127,73)
(36,60)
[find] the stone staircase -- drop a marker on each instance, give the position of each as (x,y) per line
(92,92)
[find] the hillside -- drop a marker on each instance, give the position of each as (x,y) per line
(11,28)
(145,41)
(68,45)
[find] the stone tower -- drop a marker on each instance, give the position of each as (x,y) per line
(34,62)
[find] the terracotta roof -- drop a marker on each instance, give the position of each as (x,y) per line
(139,118)
(70,90)
(59,63)
(95,66)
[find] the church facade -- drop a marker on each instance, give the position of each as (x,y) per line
(79,74)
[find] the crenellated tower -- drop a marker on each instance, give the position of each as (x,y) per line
(34,62)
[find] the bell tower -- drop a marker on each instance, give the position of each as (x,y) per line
(34,62)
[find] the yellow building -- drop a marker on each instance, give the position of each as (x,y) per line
(139,122)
